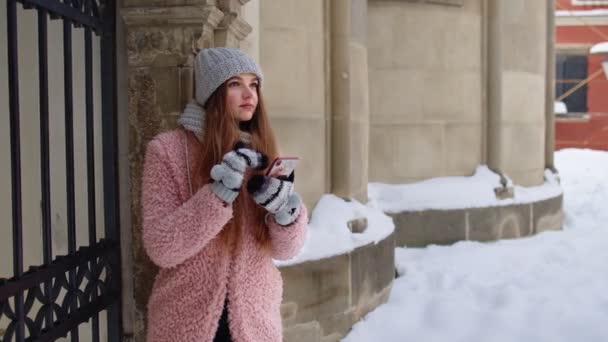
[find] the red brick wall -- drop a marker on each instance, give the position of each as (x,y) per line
(592,131)
(567,5)
(580,34)
(597,93)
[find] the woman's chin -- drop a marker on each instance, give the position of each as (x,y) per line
(245,116)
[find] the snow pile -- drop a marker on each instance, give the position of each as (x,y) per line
(599,48)
(582,13)
(584,176)
(549,287)
(476,191)
(328,232)
(560,107)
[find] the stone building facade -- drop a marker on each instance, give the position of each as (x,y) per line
(390,91)
(378,90)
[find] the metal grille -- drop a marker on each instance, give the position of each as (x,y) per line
(49,301)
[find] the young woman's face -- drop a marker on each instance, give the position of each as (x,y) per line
(242,96)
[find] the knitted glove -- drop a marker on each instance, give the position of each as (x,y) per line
(277,196)
(228,175)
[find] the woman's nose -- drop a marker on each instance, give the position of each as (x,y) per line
(247,93)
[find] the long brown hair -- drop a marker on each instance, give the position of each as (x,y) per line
(221,133)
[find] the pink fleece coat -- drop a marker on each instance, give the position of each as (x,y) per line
(196,273)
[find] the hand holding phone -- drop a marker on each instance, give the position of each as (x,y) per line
(282,166)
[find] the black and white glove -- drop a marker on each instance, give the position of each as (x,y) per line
(277,196)
(228,175)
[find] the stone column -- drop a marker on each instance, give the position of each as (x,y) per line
(232,29)
(161,41)
(550,87)
(494,84)
(350,99)
(517,89)
(251,44)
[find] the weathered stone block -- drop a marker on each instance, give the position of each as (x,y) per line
(334,293)
(306,332)
(507,222)
(372,270)
(372,303)
(339,323)
(482,224)
(332,338)
(421,228)
(288,312)
(321,288)
(514,221)
(548,214)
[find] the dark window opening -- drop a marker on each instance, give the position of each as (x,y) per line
(570,70)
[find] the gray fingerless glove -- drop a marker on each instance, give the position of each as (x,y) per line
(228,175)
(277,196)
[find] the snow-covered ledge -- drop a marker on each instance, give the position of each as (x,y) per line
(339,276)
(450,209)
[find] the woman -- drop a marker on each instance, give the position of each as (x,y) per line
(214,241)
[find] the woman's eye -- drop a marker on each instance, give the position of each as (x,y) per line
(255,85)
(233,84)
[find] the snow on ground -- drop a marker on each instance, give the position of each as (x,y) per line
(456,192)
(328,233)
(549,287)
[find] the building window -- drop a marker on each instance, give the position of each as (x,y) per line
(570,70)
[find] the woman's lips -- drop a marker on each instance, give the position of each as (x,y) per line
(247,106)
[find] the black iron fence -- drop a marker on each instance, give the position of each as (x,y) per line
(51,300)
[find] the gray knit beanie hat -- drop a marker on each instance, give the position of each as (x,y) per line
(212,67)
(215,66)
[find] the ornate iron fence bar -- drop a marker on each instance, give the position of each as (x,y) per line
(90,125)
(90,262)
(88,279)
(45,183)
(13,81)
(80,316)
(69,154)
(65,10)
(103,249)
(110,158)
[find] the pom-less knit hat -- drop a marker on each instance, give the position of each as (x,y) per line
(212,67)
(215,66)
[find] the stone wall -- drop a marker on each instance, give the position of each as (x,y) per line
(323,299)
(426,76)
(448,90)
(443,227)
(292,55)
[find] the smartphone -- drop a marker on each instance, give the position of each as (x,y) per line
(282,166)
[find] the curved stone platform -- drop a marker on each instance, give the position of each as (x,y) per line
(443,227)
(323,299)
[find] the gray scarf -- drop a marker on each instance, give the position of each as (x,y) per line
(193,118)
